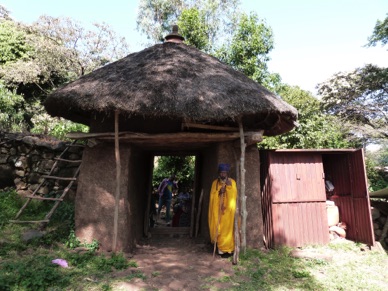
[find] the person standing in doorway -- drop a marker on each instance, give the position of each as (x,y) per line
(222,208)
(165,190)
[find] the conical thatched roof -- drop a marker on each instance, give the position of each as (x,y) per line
(175,81)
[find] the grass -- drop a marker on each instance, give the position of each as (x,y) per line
(348,266)
(341,265)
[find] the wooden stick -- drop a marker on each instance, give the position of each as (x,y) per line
(118,178)
(198,214)
(206,126)
(244,213)
(146,225)
(236,252)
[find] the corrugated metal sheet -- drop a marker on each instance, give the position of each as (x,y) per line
(294,196)
(300,176)
(298,224)
(336,167)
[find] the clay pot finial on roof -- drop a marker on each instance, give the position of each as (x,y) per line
(174,36)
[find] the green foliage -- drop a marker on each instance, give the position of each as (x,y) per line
(13,45)
(73,242)
(11,110)
(155,18)
(57,127)
(38,58)
(192,24)
(375,167)
(273,271)
(315,129)
(10,203)
(35,273)
(248,50)
(182,166)
(28,266)
(380,33)
(115,262)
(359,98)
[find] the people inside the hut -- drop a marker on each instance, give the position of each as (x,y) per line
(165,190)
(222,207)
(182,209)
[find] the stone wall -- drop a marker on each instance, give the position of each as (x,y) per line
(24,158)
(380,221)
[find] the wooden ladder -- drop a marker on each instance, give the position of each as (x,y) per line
(43,223)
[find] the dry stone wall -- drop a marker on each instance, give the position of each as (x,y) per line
(25,158)
(380,221)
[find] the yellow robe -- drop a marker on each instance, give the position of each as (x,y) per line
(225,236)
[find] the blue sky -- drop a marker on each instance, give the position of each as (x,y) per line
(313,38)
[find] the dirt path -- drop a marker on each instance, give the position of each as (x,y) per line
(177,264)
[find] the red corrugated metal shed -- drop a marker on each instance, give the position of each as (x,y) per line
(294,196)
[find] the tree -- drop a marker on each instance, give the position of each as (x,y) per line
(40,57)
(360,97)
(182,166)
(380,33)
(11,113)
(315,129)
(218,28)
(248,50)
(59,50)
(155,17)
(193,26)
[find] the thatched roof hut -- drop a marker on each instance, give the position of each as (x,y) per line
(176,83)
(167,99)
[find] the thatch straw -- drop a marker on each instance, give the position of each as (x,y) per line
(175,81)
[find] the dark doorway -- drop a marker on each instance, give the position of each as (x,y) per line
(178,220)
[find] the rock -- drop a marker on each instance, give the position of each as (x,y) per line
(33,178)
(32,234)
(375,213)
(382,220)
(21,162)
(3,159)
(20,173)
(43,190)
(378,232)
(6,176)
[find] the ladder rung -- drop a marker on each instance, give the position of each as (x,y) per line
(69,161)
(30,221)
(76,145)
(59,178)
(43,198)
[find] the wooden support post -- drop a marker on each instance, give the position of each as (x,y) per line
(243,205)
(198,213)
(118,182)
(236,234)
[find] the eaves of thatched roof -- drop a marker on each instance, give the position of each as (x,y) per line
(175,81)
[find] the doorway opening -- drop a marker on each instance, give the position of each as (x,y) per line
(173,195)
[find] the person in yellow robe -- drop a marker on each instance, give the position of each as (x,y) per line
(222,208)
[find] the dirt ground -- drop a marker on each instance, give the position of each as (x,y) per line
(181,263)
